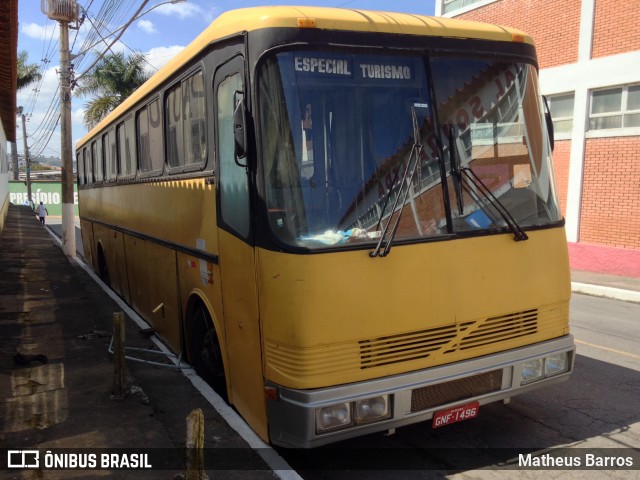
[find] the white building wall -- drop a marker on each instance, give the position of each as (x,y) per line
(581,78)
(4,175)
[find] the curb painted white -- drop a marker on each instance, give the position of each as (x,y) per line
(606,292)
(276,463)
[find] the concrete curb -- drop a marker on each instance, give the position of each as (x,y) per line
(606,292)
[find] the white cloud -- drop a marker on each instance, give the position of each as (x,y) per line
(147,26)
(184,10)
(43,108)
(159,56)
(77,127)
(40,32)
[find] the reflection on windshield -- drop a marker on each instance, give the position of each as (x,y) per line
(492,116)
(337,138)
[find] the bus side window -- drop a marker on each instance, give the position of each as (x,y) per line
(113,162)
(155,136)
(130,151)
(80,167)
(94,161)
(144,153)
(234,183)
(99,172)
(193,105)
(174,127)
(120,147)
(87,165)
(106,148)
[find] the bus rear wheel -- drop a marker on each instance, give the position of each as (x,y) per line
(103,270)
(206,354)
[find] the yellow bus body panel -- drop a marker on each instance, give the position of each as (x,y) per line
(187,205)
(242,327)
(345,317)
(145,271)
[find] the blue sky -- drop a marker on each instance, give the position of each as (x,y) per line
(160,34)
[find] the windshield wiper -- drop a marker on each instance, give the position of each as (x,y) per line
(518,233)
(409,172)
(460,173)
(456,174)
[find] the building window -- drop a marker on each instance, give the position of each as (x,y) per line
(451,5)
(613,108)
(561,107)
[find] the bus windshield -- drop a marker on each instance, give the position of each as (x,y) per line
(353,142)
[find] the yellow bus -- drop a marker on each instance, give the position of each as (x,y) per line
(346,220)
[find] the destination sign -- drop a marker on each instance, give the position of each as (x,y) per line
(331,66)
(362,69)
(376,70)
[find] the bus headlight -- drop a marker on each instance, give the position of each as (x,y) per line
(539,368)
(333,417)
(532,370)
(555,364)
(372,409)
(342,415)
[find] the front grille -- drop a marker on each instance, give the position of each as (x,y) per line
(446,340)
(502,328)
(456,390)
(401,348)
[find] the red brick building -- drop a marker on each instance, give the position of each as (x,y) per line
(589,59)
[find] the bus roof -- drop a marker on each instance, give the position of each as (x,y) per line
(322,18)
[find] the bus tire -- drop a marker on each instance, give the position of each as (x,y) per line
(103,270)
(205,351)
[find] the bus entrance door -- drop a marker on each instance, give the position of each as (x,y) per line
(237,265)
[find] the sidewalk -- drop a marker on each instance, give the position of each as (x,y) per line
(56,374)
(605,271)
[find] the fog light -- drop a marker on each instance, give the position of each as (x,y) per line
(532,370)
(333,417)
(371,409)
(556,364)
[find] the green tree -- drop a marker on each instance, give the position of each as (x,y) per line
(113,79)
(27,73)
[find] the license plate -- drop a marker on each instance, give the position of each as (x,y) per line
(455,414)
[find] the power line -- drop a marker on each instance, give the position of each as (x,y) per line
(111,12)
(46,143)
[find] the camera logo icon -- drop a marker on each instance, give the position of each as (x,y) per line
(23,458)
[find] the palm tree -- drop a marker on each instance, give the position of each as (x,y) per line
(113,79)
(27,74)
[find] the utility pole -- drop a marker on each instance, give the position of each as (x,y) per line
(14,160)
(65,11)
(27,159)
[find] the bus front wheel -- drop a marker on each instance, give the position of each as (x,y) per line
(206,354)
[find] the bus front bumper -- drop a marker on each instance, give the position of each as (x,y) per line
(310,418)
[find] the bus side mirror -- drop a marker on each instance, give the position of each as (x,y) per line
(240,128)
(548,121)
